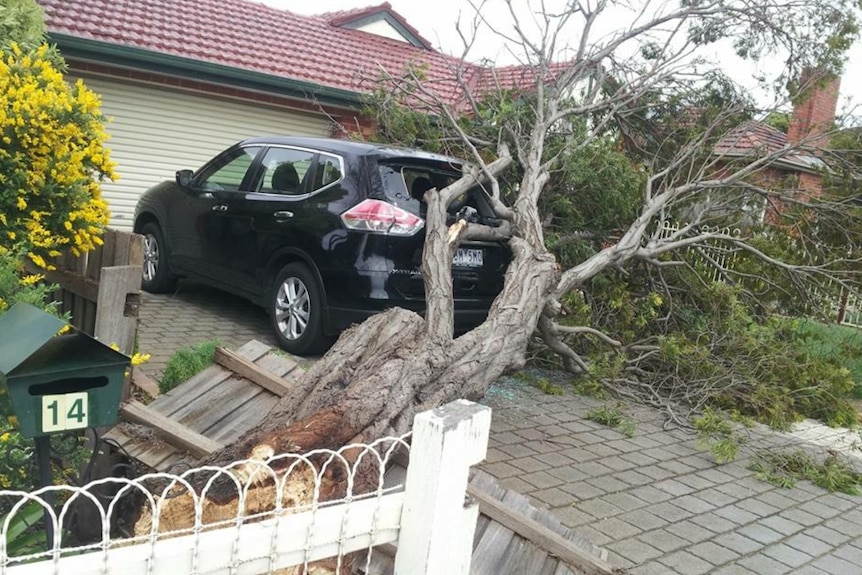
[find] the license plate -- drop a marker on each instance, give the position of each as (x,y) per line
(469,258)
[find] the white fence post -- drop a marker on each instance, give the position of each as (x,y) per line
(437,522)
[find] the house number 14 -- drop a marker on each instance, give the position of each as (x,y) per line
(62,412)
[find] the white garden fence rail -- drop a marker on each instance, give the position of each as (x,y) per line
(426,516)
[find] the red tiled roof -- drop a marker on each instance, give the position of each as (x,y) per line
(251,36)
(751,138)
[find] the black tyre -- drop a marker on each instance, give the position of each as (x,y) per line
(156,277)
(296,311)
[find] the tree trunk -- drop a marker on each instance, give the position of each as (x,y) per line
(381,373)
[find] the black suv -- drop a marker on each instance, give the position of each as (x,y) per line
(323,233)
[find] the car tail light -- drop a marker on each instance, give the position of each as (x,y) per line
(381,218)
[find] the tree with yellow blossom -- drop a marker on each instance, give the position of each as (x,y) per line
(52,159)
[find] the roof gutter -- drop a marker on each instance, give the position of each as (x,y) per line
(76,48)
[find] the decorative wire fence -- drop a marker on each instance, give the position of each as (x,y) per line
(319,513)
(715,259)
(252,516)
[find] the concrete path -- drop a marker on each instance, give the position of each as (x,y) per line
(657,503)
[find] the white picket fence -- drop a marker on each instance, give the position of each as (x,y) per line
(426,516)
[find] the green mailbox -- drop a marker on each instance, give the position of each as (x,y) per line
(57,383)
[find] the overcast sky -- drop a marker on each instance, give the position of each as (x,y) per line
(435,20)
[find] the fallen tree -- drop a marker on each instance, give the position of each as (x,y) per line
(579,89)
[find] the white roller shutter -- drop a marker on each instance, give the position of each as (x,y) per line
(156,131)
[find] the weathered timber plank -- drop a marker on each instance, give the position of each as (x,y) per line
(246,417)
(220,403)
(201,383)
(136,251)
(279,365)
(112,323)
(488,552)
(175,433)
(539,534)
(151,451)
(107,255)
(69,281)
(121,249)
(144,382)
(251,371)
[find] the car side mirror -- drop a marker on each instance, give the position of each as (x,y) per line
(184,179)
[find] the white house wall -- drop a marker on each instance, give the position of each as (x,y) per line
(156,131)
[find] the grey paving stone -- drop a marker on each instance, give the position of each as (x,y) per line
(635,550)
(602,450)
(737,514)
(827,534)
(809,570)
(623,501)
(715,475)
(825,511)
(849,553)
(690,531)
(501,469)
(573,517)
(581,490)
(506,438)
(739,543)
(758,507)
(529,464)
(777,499)
(554,459)
(695,481)
(808,544)
(541,446)
(644,442)
(715,554)
(591,438)
(668,511)
(802,517)
(516,484)
(516,449)
(656,472)
(763,565)
(599,509)
(841,525)
(568,473)
(616,528)
(579,454)
(553,497)
(618,561)
(782,525)
(836,565)
(685,562)
(594,469)
(733,569)
(624,446)
(650,494)
(693,503)
(607,484)
(713,522)
(494,455)
(651,568)
(737,490)
(541,479)
(760,533)
(787,555)
(716,497)
(617,463)
(673,487)
(633,478)
(530,433)
(838,502)
(643,519)
(596,537)
(664,540)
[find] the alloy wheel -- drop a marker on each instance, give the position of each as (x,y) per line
(151,257)
(292,308)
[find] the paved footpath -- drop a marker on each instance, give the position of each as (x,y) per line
(656,502)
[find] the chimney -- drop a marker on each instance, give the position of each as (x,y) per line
(813,108)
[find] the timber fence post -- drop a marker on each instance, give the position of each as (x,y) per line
(438,519)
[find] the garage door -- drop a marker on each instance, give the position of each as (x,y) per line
(156,131)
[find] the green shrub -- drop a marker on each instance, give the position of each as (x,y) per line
(186,362)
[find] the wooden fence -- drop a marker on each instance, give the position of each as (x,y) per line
(101,289)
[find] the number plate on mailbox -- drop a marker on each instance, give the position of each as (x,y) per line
(63,412)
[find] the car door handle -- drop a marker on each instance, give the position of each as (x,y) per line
(220,208)
(282,215)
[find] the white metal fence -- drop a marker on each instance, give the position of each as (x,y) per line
(317,513)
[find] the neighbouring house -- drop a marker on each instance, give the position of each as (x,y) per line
(801,167)
(183,79)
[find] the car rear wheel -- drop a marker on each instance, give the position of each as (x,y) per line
(296,311)
(156,277)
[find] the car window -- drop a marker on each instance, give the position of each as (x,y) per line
(328,171)
(228,175)
(284,170)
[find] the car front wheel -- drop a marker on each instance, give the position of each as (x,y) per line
(296,311)
(156,278)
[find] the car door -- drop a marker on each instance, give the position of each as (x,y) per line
(271,216)
(200,228)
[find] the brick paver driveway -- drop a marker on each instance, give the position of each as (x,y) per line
(657,503)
